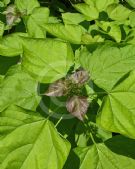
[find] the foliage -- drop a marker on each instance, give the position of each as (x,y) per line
(67,84)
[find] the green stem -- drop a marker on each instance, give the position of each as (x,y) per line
(58,122)
(92,138)
(89,129)
(51,113)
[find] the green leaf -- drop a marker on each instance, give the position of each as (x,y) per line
(30,141)
(47,60)
(26,6)
(4,3)
(53,19)
(107,64)
(35,21)
(132,19)
(2,26)
(19,88)
(115,153)
(99,132)
(6,63)
(88,39)
(90,12)
(72,18)
(10,45)
(1,78)
(117,111)
(131,3)
(71,33)
(102,5)
(131,37)
(82,134)
(90,2)
(112,29)
(118,12)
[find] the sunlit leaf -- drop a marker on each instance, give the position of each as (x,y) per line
(117,152)
(10,45)
(35,21)
(30,141)
(117,109)
(18,88)
(108,63)
(46,60)
(26,6)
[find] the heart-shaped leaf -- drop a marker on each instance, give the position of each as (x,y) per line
(57,88)
(47,60)
(77,106)
(30,141)
(117,113)
(115,153)
(79,77)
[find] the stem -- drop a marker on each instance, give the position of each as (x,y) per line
(70,2)
(89,129)
(86,117)
(51,113)
(59,121)
(92,138)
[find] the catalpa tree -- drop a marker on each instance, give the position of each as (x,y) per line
(67,84)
